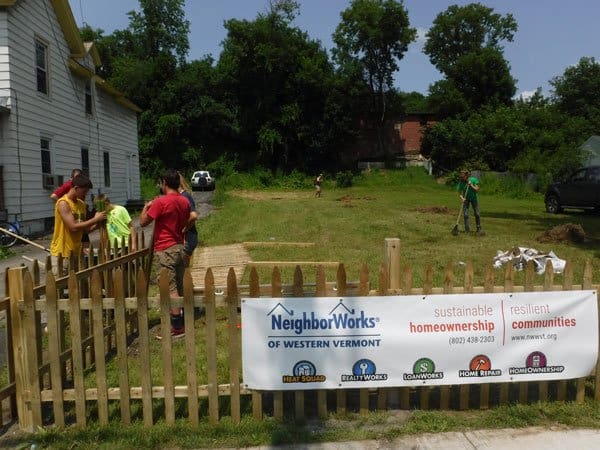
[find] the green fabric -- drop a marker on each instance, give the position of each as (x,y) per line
(117,224)
(462,187)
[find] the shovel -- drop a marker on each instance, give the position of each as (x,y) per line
(455,228)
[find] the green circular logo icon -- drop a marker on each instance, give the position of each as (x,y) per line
(424,365)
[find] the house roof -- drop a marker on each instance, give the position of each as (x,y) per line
(79,49)
(592,144)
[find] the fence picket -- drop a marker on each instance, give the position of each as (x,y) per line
(529,276)
(54,349)
(166,345)
(211,346)
(363,290)
(407,284)
(321,291)
(548,285)
(144,340)
(342,290)
(254,288)
(297,291)
(276,292)
(509,286)
(77,349)
(464,390)
(121,343)
(382,290)
(190,347)
(99,350)
(587,284)
(425,391)
(233,300)
(561,393)
(448,289)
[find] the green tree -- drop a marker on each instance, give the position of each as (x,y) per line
(160,27)
(461,30)
(577,92)
(371,39)
(464,43)
(281,82)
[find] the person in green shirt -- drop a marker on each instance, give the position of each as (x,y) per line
(467,188)
(118,222)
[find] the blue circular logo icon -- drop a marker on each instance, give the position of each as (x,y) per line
(364,367)
(304,368)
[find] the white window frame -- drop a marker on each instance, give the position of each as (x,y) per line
(40,43)
(88,97)
(106,167)
(49,151)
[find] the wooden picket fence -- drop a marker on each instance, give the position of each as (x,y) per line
(94,327)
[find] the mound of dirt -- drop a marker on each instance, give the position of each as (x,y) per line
(567,233)
(434,209)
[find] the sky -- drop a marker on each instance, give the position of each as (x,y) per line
(552,34)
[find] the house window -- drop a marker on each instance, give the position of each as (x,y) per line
(41,66)
(106,169)
(88,98)
(46,160)
(85,161)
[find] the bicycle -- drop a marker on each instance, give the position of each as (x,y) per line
(6,239)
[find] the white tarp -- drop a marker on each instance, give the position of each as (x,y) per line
(520,256)
(355,342)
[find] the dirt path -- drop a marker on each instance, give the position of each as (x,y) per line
(220,259)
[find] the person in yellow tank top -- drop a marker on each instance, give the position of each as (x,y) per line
(69,220)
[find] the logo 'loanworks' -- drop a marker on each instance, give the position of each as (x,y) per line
(339,318)
(423,369)
(535,362)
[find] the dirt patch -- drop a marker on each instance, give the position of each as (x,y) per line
(567,233)
(349,198)
(434,209)
(279,195)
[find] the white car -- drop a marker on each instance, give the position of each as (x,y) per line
(202,180)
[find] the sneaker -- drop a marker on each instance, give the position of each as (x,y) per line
(480,233)
(176,333)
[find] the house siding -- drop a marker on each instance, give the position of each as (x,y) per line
(59,116)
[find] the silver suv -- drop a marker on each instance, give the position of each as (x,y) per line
(202,180)
(579,191)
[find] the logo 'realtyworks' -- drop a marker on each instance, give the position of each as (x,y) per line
(339,318)
(536,362)
(480,366)
(364,370)
(423,369)
(304,372)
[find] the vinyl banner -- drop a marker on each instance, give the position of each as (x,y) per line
(363,342)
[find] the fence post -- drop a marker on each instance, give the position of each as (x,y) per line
(391,260)
(25,372)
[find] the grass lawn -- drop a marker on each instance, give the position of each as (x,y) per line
(349,226)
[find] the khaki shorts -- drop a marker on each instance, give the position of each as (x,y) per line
(172,260)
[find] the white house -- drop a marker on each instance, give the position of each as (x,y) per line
(56,114)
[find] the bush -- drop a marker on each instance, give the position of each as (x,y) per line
(344,179)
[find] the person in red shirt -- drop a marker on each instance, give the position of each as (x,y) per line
(170,213)
(66,186)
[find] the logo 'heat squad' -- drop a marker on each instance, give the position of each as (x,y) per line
(312,322)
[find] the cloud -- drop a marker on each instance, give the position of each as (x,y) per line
(525,95)
(421,32)
(419,42)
